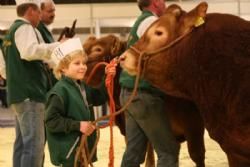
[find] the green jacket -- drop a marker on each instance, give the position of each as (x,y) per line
(48,38)
(65,108)
(25,79)
(127,80)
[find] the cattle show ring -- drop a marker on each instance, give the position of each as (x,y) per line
(203,68)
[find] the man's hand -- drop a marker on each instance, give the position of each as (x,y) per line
(63,39)
(68,32)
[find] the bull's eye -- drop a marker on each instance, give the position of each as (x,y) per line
(98,49)
(158,33)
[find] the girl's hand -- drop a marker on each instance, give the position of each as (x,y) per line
(111,67)
(86,127)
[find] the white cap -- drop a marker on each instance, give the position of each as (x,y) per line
(47,1)
(20,2)
(66,48)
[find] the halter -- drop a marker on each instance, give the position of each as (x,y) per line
(144,57)
(97,58)
(105,58)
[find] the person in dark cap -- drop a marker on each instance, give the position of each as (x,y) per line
(145,116)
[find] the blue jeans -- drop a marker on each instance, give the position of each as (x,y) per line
(146,121)
(28,148)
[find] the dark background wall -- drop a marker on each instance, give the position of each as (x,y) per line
(12,2)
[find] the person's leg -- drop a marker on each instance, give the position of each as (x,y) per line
(18,146)
(135,151)
(31,120)
(157,128)
(4,99)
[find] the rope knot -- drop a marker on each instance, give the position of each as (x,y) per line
(145,56)
(110,71)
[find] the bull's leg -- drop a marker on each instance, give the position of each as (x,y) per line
(237,161)
(196,148)
(150,158)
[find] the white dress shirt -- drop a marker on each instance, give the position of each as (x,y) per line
(145,24)
(31,45)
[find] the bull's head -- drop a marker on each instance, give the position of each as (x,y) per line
(172,25)
(102,49)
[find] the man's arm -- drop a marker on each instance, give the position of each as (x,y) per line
(30,44)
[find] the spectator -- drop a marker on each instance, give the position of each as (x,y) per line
(145,117)
(47,18)
(25,52)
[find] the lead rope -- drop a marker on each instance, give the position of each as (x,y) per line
(109,82)
(82,153)
(86,157)
(87,160)
(150,53)
(111,116)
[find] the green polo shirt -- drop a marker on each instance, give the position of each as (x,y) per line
(127,80)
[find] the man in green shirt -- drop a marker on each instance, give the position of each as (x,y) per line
(25,53)
(47,18)
(145,117)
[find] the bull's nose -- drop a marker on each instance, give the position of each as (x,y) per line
(122,57)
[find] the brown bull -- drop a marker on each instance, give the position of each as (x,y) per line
(204,58)
(104,50)
(186,121)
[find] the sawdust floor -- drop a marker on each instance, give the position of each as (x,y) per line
(214,156)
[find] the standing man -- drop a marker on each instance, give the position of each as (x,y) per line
(25,52)
(145,117)
(47,18)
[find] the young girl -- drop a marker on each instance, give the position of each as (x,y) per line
(69,107)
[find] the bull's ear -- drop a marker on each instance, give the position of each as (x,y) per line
(202,9)
(89,43)
(194,18)
(116,47)
(199,12)
(174,9)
